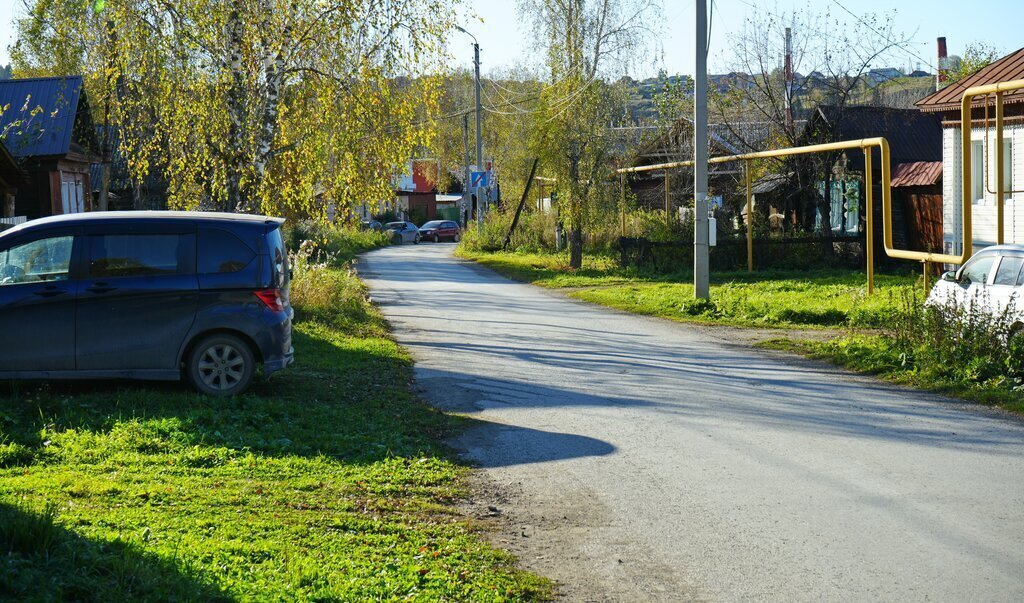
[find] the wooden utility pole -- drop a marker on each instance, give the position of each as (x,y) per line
(522,202)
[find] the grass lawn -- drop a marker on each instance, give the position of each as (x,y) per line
(832,298)
(327,483)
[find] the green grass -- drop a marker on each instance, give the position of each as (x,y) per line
(327,483)
(825,298)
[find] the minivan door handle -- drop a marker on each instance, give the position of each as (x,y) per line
(51,291)
(101,288)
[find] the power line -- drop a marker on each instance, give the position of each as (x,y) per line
(887,38)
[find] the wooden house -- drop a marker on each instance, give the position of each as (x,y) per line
(49,132)
(915,146)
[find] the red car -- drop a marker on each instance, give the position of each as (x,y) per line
(436,230)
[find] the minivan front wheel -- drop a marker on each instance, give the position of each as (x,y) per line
(221,365)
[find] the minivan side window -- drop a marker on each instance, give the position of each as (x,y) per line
(221,252)
(40,261)
(977,271)
(116,255)
(1008,270)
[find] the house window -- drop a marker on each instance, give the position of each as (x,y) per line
(977,171)
(72,193)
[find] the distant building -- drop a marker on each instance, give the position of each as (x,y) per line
(877,76)
(914,138)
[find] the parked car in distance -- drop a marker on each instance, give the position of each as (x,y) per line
(146,295)
(438,230)
(373,225)
(992,281)
(403,232)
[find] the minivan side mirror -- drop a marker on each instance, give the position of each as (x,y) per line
(949,276)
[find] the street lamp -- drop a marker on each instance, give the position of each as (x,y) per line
(479,131)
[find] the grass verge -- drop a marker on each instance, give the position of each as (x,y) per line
(877,355)
(327,483)
(807,299)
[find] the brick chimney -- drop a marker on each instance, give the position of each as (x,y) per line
(943,65)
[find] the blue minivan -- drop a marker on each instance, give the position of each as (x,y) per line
(146,295)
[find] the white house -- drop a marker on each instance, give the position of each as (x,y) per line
(983,168)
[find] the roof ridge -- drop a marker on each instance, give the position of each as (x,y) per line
(18,80)
(977,78)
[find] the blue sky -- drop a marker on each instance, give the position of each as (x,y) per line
(506,43)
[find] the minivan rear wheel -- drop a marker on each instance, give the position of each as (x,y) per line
(221,365)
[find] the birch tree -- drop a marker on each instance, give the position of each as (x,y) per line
(251,105)
(584,39)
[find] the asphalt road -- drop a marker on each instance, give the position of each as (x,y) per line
(640,460)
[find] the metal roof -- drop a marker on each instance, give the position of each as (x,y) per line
(769,183)
(912,135)
(918,173)
(1010,67)
(50,131)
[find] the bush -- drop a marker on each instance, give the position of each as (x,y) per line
(488,237)
(951,344)
(323,242)
(320,292)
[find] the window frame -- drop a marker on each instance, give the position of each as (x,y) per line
(978,171)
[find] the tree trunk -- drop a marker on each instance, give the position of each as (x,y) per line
(575,209)
(576,248)
(236,110)
(274,75)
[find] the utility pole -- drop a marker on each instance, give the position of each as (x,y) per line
(480,203)
(789,83)
(701,257)
(467,200)
(479,126)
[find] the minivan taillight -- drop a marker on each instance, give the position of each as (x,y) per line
(271,298)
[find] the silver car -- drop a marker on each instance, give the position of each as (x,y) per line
(992,281)
(403,232)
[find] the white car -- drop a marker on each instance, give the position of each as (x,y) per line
(992,280)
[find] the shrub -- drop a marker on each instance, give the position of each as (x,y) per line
(320,292)
(323,242)
(949,343)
